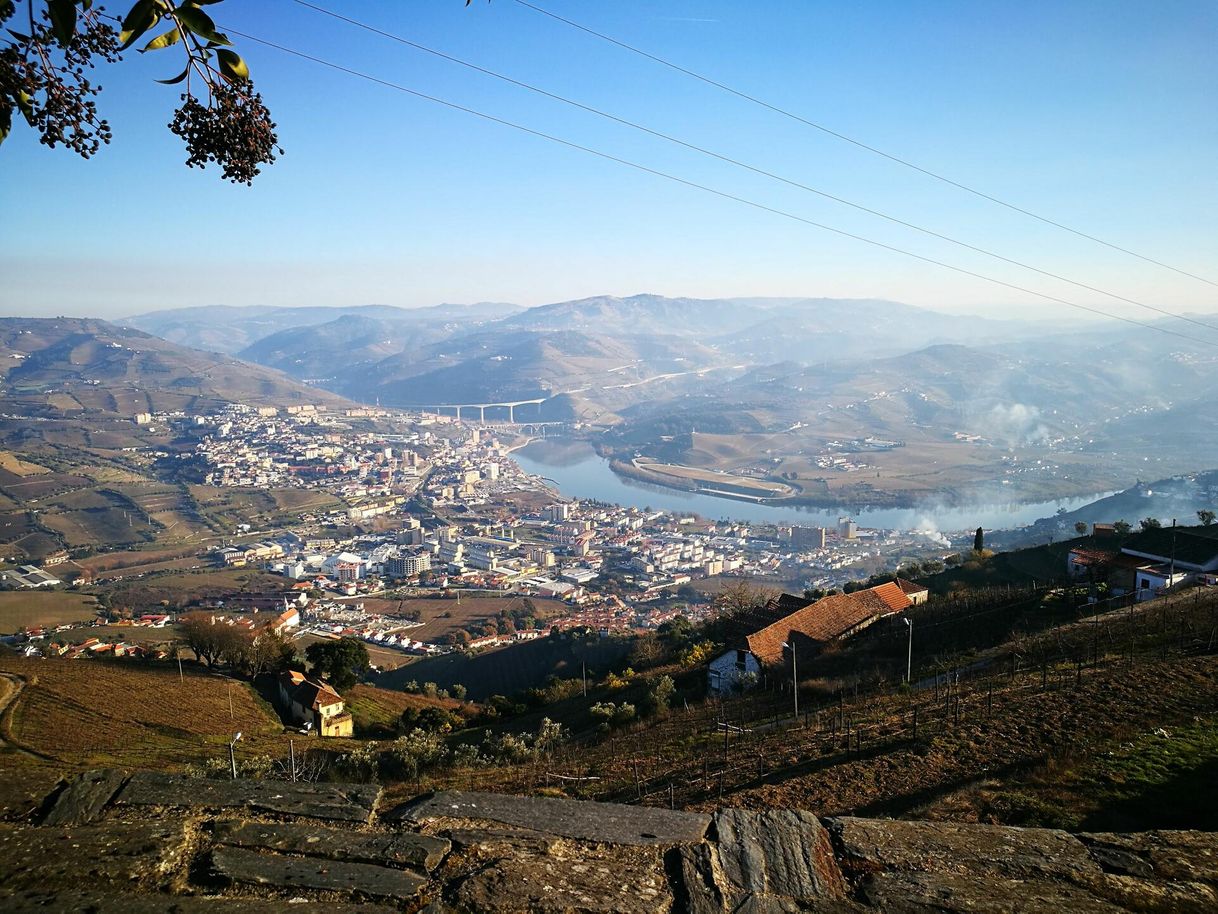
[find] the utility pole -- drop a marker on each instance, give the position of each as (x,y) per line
(180,677)
(583,674)
(232,754)
(909,655)
(794,676)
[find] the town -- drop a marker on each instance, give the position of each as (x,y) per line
(430,506)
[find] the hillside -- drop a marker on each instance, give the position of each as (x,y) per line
(523,364)
(969,423)
(228,329)
(77,365)
(78,472)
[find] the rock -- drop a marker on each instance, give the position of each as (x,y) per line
(502,841)
(296,873)
(122,854)
(83,798)
(878,845)
(341,802)
(570,880)
(1188,856)
(781,852)
(1152,896)
(68,901)
(948,893)
(606,823)
(697,869)
(399,849)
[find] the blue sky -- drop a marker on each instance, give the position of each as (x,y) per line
(1099,114)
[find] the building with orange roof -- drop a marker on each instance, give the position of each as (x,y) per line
(315,704)
(807,629)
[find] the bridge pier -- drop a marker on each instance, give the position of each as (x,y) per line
(482,414)
(511,413)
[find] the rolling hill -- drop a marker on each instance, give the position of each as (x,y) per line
(70,365)
(229,330)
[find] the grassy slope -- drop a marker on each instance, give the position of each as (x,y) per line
(29,609)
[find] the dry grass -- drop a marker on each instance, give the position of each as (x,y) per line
(14,464)
(128,713)
(26,609)
(374,707)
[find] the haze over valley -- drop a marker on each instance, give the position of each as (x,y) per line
(845,402)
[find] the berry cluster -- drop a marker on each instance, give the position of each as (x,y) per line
(234,130)
(46,82)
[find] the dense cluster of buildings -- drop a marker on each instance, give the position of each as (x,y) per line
(302,447)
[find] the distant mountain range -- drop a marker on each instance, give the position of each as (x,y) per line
(730,383)
(229,330)
(607,353)
(80,365)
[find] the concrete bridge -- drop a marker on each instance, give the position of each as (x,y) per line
(483,407)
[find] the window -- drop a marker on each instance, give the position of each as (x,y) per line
(740,659)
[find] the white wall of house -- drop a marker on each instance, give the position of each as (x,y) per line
(726,670)
(1149,583)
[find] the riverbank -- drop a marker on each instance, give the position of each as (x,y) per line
(578,471)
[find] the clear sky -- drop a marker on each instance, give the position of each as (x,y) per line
(1101,114)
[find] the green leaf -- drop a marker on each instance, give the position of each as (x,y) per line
(232,66)
(143,16)
(63,20)
(177,79)
(197,21)
(168,39)
(25,104)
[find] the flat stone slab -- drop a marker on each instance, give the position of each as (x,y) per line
(84,798)
(68,901)
(951,893)
(397,849)
(782,852)
(116,853)
(339,802)
(1190,856)
(879,845)
(606,823)
(570,880)
(295,873)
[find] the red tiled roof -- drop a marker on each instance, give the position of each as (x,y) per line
(831,617)
(824,620)
(310,694)
(893,596)
(910,587)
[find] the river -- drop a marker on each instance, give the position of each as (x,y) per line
(579,472)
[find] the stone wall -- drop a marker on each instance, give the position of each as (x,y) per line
(107,841)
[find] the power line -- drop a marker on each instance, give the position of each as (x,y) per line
(859,143)
(707,189)
(731,161)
